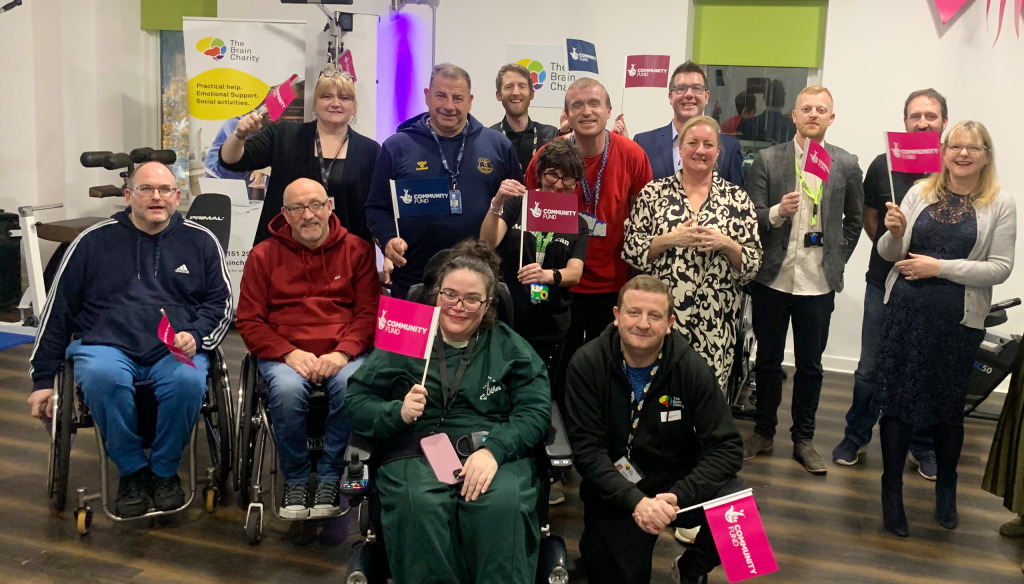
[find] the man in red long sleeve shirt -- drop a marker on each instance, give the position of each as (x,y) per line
(306,310)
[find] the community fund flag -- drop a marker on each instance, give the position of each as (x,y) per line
(647,70)
(419,197)
(916,152)
(817,161)
(582,55)
(545,211)
(405,327)
(166,333)
(279,98)
(739,536)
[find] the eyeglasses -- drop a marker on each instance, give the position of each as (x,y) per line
(972,150)
(149,190)
(552,176)
(315,207)
(451,299)
(682,88)
(332,71)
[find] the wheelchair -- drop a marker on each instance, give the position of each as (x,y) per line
(741,394)
(996,360)
(254,427)
(71,415)
(368,563)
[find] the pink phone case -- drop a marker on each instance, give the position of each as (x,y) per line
(442,458)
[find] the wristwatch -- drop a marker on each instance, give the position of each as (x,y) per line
(556,276)
(348,356)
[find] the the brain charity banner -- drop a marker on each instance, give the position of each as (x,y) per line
(549,72)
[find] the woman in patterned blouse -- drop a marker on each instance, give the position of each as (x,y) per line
(698,234)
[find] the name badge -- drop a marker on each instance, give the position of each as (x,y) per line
(813,239)
(671,416)
(595,226)
(538,293)
(455,197)
(628,470)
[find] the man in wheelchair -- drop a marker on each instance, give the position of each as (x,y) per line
(480,526)
(306,310)
(103,312)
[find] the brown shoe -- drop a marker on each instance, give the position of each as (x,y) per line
(756,444)
(805,454)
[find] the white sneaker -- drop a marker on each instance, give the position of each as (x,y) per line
(687,535)
(325,500)
(293,506)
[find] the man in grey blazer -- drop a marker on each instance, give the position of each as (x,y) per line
(808,232)
(688,94)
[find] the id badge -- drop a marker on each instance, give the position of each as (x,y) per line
(671,416)
(813,239)
(590,220)
(455,197)
(538,293)
(600,229)
(628,470)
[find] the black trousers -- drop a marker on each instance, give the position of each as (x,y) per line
(810,315)
(591,314)
(616,551)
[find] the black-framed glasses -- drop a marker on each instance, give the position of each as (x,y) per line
(149,190)
(683,88)
(315,207)
(553,176)
(451,299)
(971,148)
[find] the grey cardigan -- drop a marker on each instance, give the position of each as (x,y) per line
(989,263)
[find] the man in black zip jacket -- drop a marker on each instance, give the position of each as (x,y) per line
(103,312)
(651,434)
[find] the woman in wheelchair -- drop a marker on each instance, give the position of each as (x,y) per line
(481,378)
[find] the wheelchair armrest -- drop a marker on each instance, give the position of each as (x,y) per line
(996,318)
(556,443)
(355,477)
(360,446)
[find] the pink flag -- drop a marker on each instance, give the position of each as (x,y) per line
(647,70)
(817,161)
(346,63)
(916,152)
(278,99)
(166,333)
(739,536)
(405,327)
(948,8)
(547,211)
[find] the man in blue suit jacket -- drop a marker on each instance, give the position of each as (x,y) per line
(688,94)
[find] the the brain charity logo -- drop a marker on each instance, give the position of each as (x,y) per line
(212,47)
(537,73)
(732,516)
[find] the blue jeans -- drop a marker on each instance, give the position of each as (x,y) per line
(864,410)
(106,377)
(289,393)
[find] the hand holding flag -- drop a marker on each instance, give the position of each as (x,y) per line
(175,345)
(280,98)
(739,536)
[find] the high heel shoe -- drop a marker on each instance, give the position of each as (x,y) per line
(945,507)
(894,517)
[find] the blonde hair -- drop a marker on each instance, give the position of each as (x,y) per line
(816,89)
(701,121)
(988,185)
(340,84)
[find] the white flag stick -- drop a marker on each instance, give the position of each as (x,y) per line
(394,206)
(888,166)
(430,341)
(718,501)
(522,229)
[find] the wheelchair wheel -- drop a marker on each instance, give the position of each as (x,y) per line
(247,434)
(60,440)
(83,520)
(217,418)
(254,527)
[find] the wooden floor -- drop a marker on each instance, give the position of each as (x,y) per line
(822,529)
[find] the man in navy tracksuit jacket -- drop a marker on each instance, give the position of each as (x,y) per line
(421,149)
(103,312)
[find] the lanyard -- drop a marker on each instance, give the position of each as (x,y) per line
(444,161)
(595,194)
(638,406)
(533,127)
(456,381)
(542,239)
(325,171)
(815,196)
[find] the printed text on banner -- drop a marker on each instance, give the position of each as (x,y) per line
(740,537)
(916,152)
(405,327)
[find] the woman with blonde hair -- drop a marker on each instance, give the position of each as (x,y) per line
(952,239)
(326,150)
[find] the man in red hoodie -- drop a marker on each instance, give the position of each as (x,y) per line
(306,310)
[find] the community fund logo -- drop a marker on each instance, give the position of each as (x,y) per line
(536,210)
(407,198)
(537,73)
(732,516)
(911,153)
(382,320)
(632,70)
(212,47)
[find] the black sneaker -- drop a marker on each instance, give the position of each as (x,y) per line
(294,504)
(167,493)
(132,500)
(325,500)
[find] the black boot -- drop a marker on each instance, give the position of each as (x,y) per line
(949,441)
(895,438)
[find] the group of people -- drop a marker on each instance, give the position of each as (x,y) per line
(638,307)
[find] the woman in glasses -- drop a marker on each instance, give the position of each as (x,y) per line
(952,239)
(326,150)
(698,233)
(482,379)
(551,262)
